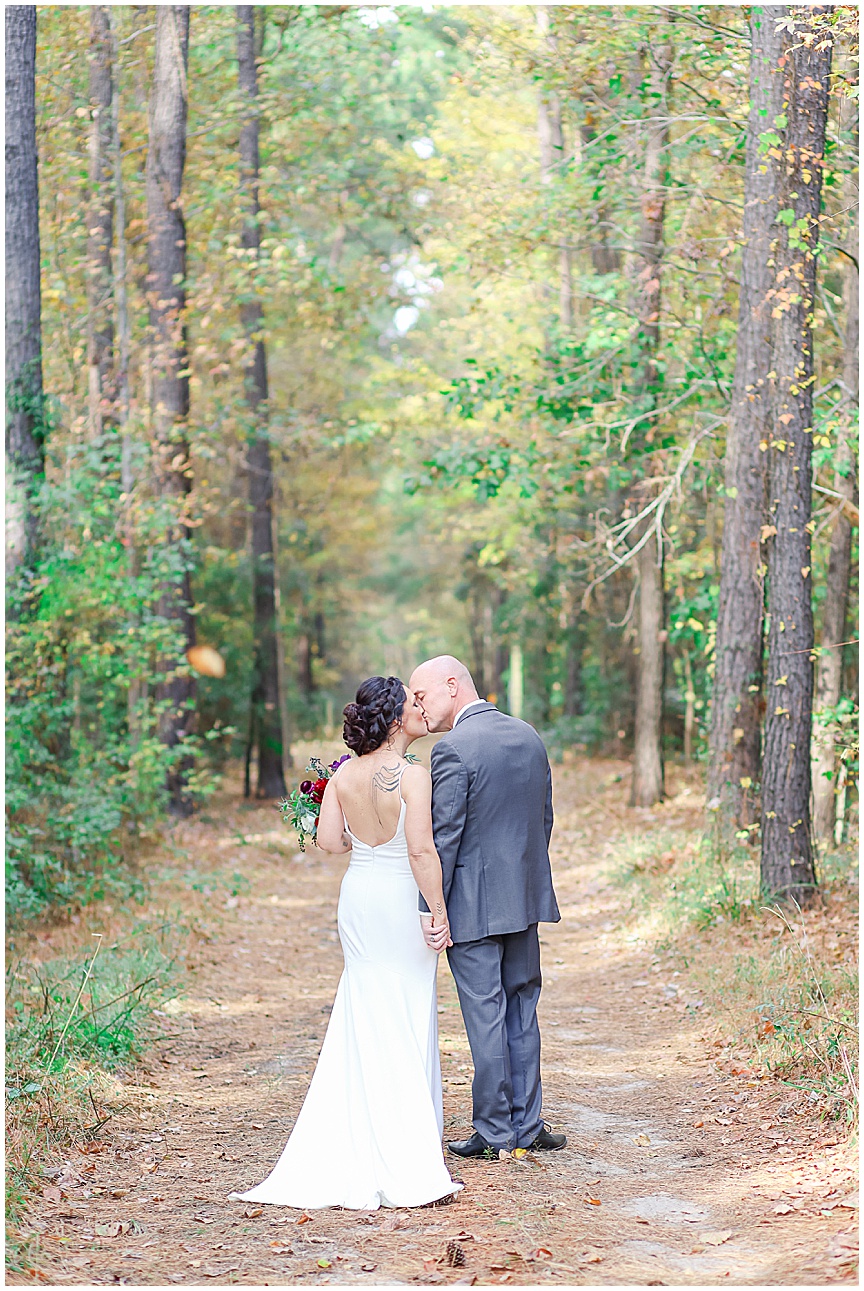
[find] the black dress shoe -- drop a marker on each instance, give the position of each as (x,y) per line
(546,1141)
(476,1146)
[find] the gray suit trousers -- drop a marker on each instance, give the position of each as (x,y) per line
(498,980)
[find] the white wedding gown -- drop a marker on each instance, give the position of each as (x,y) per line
(369,1132)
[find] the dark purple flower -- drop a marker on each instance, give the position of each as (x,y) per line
(305,786)
(334,766)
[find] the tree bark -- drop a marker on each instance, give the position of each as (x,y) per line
(25,424)
(574,698)
(550,131)
(734,741)
(265,668)
(166,290)
(100,222)
(787,855)
(689,709)
(829,668)
(647,785)
(121,295)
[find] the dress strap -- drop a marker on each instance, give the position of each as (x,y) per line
(401,773)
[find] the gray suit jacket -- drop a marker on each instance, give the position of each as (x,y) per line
(492,820)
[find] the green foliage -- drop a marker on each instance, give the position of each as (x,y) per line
(85,656)
(73,1024)
(453,454)
(53,1024)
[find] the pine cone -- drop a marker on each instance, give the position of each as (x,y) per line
(455,1255)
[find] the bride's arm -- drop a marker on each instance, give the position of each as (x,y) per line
(331,836)
(417,792)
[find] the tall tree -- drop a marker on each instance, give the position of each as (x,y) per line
(24,401)
(266,725)
(787,854)
(829,669)
(735,734)
(550,129)
(100,220)
(647,785)
(166,290)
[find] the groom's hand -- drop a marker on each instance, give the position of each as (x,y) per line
(438,937)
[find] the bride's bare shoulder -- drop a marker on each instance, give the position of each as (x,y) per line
(415,777)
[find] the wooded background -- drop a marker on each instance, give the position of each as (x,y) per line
(338,336)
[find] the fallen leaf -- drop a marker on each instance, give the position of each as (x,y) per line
(368,1268)
(203,1219)
(122,1192)
(279,1248)
(642,1140)
(256,1126)
(253,1212)
(542,1253)
(52,1194)
(519,1153)
(716,1239)
(783,1210)
(108,1230)
(594,1259)
(592,1201)
(220,1273)
(324,1264)
(697,1125)
(305,1219)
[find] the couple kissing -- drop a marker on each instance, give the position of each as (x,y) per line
(458,862)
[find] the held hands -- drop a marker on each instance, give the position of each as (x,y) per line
(437,936)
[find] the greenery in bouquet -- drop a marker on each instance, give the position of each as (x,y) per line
(303,805)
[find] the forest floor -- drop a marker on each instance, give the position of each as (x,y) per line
(685,1165)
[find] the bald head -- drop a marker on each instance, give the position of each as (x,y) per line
(441,686)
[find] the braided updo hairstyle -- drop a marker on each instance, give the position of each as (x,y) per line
(378,705)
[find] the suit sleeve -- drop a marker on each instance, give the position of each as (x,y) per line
(548,813)
(449,809)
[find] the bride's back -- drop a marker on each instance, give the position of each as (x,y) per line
(369,796)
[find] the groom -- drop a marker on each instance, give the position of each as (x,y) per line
(492,818)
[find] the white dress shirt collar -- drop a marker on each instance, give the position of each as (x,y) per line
(465,707)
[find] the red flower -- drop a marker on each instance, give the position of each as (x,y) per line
(316,793)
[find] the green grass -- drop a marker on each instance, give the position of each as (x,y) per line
(72,1025)
(770,977)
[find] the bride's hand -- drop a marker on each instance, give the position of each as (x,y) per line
(437,936)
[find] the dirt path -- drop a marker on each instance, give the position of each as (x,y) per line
(676,1172)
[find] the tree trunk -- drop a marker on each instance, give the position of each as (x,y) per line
(604,259)
(829,669)
(734,741)
(573,694)
(689,709)
(100,222)
(265,667)
(551,134)
(166,289)
(25,426)
(121,295)
(647,784)
(787,856)
(515,682)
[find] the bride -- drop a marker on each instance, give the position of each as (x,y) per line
(369,1132)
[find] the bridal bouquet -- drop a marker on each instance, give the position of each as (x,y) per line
(304,804)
